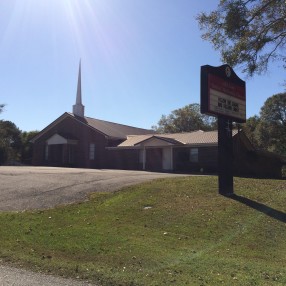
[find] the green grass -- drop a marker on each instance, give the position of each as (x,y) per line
(166,232)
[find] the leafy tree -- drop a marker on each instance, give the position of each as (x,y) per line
(27,146)
(274,110)
(10,141)
(185,119)
(268,131)
(248,33)
(251,128)
(273,130)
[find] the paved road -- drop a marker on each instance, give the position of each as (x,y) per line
(23,188)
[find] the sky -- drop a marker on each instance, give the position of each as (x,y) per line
(140,59)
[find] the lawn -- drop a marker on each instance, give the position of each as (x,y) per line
(166,232)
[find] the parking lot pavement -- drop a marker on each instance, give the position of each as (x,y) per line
(24,188)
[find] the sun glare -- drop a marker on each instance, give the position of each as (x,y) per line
(93,26)
(87,23)
(97,31)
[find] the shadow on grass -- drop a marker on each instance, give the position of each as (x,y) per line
(278,215)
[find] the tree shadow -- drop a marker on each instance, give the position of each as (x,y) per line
(278,215)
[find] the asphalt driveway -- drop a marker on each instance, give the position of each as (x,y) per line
(23,188)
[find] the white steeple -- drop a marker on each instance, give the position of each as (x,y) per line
(78,108)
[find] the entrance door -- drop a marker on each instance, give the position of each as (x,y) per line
(55,157)
(154,159)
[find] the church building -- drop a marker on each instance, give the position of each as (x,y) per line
(75,140)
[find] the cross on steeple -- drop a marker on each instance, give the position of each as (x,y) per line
(78,108)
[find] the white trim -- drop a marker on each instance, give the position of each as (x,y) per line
(57,139)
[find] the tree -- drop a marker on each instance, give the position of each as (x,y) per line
(274,110)
(251,128)
(248,33)
(185,119)
(273,130)
(268,132)
(27,146)
(10,142)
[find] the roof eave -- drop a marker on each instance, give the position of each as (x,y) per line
(123,148)
(136,146)
(64,116)
(47,128)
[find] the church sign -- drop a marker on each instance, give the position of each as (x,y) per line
(223,96)
(223,93)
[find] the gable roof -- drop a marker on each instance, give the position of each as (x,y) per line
(115,130)
(189,138)
(109,129)
(157,140)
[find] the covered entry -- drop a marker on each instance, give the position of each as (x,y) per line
(154,159)
(60,151)
(157,154)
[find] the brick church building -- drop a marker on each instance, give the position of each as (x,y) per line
(74,140)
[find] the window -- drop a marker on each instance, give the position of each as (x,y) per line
(91,151)
(141,156)
(47,152)
(194,155)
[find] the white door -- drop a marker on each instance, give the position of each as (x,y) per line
(167,159)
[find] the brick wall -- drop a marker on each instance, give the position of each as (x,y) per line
(71,128)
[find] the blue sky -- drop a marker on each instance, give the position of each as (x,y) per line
(140,59)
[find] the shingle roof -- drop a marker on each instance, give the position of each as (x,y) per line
(112,129)
(133,140)
(188,138)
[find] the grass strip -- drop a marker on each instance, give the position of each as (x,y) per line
(165,232)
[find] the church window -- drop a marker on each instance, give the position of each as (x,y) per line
(91,151)
(47,152)
(194,155)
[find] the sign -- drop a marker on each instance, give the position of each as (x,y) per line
(223,93)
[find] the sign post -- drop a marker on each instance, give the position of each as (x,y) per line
(225,156)
(223,95)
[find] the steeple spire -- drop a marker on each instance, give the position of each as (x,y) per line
(78,108)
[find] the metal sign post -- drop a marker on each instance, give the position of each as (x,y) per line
(223,95)
(225,156)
